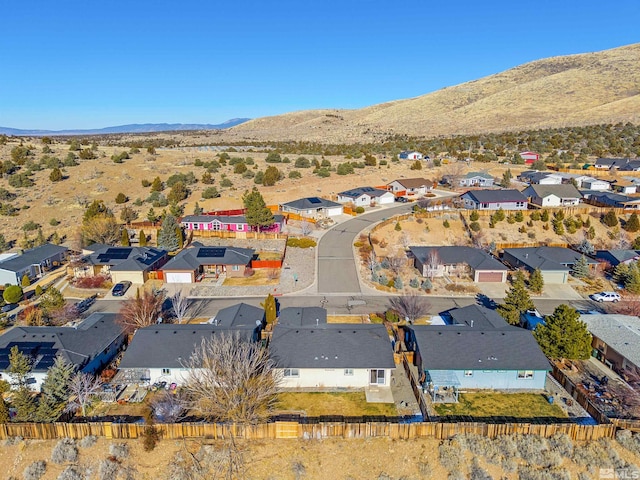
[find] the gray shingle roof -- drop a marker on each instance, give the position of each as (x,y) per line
(463,348)
(615,257)
(170,346)
(620,332)
(565,190)
(452,255)
(478,317)
(77,346)
(222,218)
(302,316)
(126,259)
(311,203)
(240,315)
(332,346)
(547,258)
(496,196)
(193,257)
(478,174)
(34,256)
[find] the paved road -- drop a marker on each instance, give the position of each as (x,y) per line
(336,266)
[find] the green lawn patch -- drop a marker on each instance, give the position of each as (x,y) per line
(333,403)
(522,405)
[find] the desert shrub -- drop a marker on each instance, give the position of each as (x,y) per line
(446,224)
(456,287)
(20,180)
(301,242)
(210,192)
(150,438)
(629,440)
(146,183)
(119,450)
(456,475)
(475,216)
(398,284)
(522,229)
(88,441)
(35,471)
(108,469)
(475,226)
(562,444)
(450,455)
(531,473)
(13,441)
(225,182)
(511,219)
(531,448)
(391,316)
(374,318)
(359,209)
(71,473)
(591,455)
(414,283)
(476,472)
(97,281)
(295,174)
(65,451)
(584,476)
(382,280)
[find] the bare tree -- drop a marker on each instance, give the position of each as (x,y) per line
(102,229)
(305,228)
(82,388)
(433,263)
(231,379)
(141,311)
(168,407)
(396,263)
(372,261)
(179,305)
(405,240)
(410,307)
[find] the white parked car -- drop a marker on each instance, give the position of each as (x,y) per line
(606,297)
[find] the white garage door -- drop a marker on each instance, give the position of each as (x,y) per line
(334,211)
(177,277)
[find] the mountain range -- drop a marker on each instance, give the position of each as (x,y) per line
(132,128)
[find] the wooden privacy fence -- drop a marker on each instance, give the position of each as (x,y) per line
(293,430)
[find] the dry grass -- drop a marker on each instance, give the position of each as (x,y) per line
(347,319)
(331,403)
(522,405)
(260,277)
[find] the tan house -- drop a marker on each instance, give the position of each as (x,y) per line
(410,186)
(196,262)
(133,264)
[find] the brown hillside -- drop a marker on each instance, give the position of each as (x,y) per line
(583,89)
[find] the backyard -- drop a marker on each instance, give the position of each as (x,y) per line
(519,405)
(332,403)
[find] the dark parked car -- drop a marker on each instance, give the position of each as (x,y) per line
(8,307)
(402,199)
(120,288)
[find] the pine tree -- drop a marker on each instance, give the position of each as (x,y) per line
(4,411)
(152,216)
(581,268)
(125,238)
(25,282)
(51,300)
(197,209)
(270,309)
(180,237)
(167,238)
(564,335)
(426,285)
(506,179)
(257,213)
(143,239)
(157,185)
(586,247)
(55,391)
(517,301)
(633,224)
(536,281)
(38,290)
(610,219)
(39,240)
(20,366)
(632,279)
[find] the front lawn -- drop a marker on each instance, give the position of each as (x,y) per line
(522,405)
(259,277)
(332,403)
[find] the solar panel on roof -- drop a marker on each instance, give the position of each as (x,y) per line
(314,200)
(211,252)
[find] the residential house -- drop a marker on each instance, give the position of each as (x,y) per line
(540,178)
(313,207)
(197,261)
(333,356)
(489,354)
(614,200)
(631,166)
(565,195)
(595,184)
(89,346)
(33,263)
(302,317)
(494,200)
(133,264)
(410,186)
(616,257)
(228,223)
(623,186)
(409,155)
(471,179)
(555,263)
(366,196)
(452,261)
(529,157)
(616,341)
(610,163)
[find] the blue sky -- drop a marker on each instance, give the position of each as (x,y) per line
(91,64)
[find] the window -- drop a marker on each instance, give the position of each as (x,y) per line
(166,371)
(291,372)
(377,377)
(525,374)
(348,372)
(519,204)
(235,268)
(468,373)
(239,227)
(485,205)
(196,226)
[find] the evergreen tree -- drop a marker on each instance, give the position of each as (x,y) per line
(620,273)
(633,224)
(564,335)
(4,411)
(143,239)
(55,391)
(517,301)
(544,216)
(586,247)
(39,240)
(536,282)
(426,284)
(270,309)
(19,370)
(632,279)
(257,213)
(157,185)
(180,237)
(167,238)
(25,282)
(197,209)
(51,300)
(152,216)
(125,238)
(38,290)
(610,219)
(581,268)
(506,179)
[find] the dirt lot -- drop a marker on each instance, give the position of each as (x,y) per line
(288,459)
